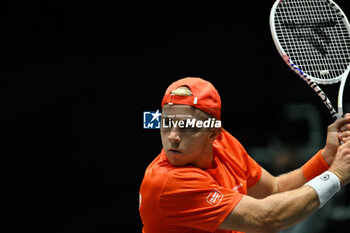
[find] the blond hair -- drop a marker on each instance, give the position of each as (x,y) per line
(184,91)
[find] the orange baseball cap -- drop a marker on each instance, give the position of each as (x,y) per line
(204,95)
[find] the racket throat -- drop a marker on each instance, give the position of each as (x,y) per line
(324,98)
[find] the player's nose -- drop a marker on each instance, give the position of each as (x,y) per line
(174,136)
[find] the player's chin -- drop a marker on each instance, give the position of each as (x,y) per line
(176,158)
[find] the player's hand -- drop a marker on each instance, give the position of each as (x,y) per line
(336,132)
(341,163)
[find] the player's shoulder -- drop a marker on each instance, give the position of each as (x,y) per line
(226,139)
(228,143)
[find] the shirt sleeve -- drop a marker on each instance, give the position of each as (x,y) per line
(254,173)
(191,198)
(251,168)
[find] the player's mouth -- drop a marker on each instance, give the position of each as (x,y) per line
(175,151)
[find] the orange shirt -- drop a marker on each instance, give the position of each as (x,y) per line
(189,199)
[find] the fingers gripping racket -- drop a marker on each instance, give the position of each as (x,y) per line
(313,38)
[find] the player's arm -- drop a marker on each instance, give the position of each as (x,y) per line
(272,214)
(268,184)
(282,210)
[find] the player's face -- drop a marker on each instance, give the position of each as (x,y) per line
(185,145)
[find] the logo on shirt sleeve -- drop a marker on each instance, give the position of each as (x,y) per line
(214,197)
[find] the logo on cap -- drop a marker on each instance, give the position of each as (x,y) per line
(151,120)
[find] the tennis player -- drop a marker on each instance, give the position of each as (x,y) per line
(203,180)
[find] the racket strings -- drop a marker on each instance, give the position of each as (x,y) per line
(319,46)
(314,36)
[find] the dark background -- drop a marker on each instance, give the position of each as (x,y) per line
(77,76)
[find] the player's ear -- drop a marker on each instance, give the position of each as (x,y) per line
(214,133)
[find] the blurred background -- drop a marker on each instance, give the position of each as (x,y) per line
(76,78)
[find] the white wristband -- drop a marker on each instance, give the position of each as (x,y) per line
(326,185)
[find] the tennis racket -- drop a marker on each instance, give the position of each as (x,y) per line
(313,38)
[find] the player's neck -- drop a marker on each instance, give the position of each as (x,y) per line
(206,161)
